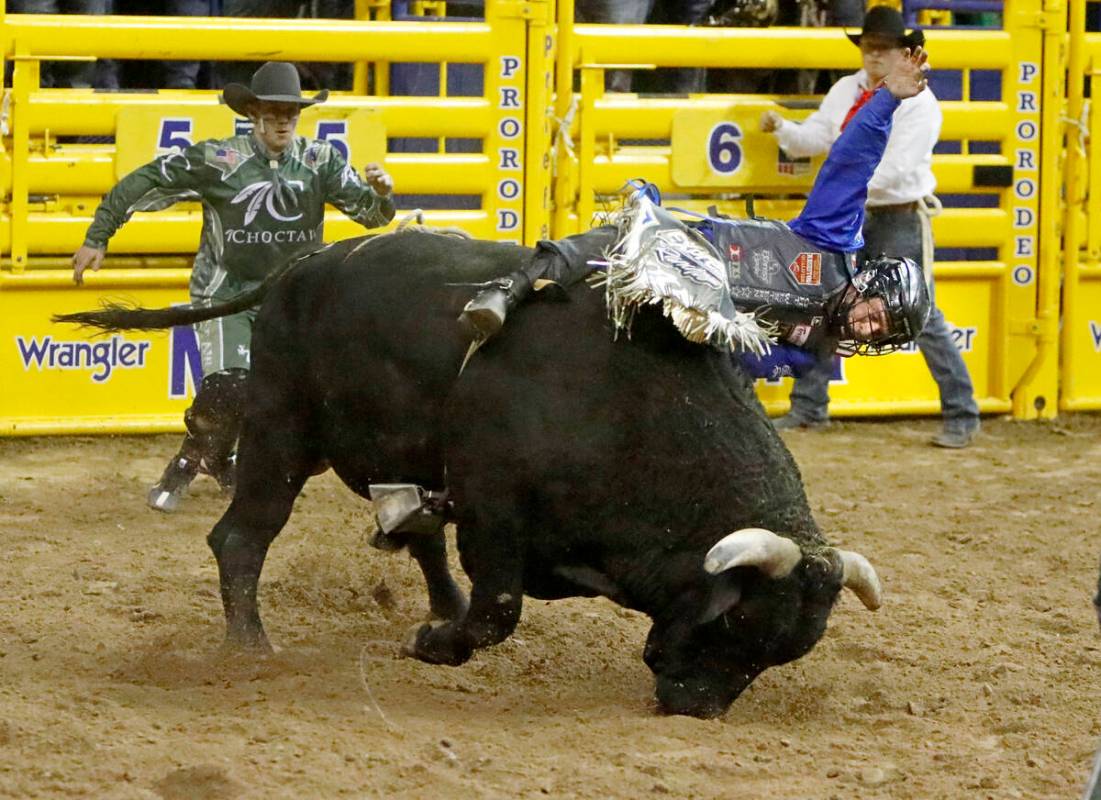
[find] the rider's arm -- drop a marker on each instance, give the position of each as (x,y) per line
(159,184)
(909,151)
(781,361)
(834,213)
(346,190)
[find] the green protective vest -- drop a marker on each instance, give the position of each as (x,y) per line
(258,212)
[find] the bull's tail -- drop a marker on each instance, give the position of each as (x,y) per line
(114,316)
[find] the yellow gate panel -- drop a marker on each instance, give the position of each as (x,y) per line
(1081,386)
(57,380)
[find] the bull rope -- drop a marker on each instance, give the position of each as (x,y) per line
(413,222)
(364,657)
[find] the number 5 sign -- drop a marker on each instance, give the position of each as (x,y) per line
(148,132)
(357,134)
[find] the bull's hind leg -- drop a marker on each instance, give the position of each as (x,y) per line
(274,462)
(445,599)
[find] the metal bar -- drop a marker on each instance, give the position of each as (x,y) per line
(1093,204)
(592,87)
(652,118)
(73,426)
(104,279)
(564,186)
(74,112)
(1036,392)
(249,39)
(76,170)
(111,262)
(899,407)
(965,93)
(538,116)
(782,48)
(25,77)
(1073,201)
(174,232)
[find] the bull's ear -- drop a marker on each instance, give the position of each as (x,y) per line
(725,594)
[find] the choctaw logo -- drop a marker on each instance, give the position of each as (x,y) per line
(262,195)
(807,269)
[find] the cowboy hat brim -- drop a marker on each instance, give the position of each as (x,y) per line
(912,39)
(238,97)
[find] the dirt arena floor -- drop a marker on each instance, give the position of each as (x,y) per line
(977,679)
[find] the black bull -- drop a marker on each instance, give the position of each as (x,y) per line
(576,464)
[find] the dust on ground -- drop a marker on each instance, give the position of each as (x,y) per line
(978,678)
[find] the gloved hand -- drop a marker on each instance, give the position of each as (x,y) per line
(648,190)
(782,361)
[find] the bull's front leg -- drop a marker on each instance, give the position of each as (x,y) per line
(496,600)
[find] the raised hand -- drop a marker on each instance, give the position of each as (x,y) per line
(378,179)
(909,76)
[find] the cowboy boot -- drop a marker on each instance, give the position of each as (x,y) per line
(484,315)
(213,423)
(555,266)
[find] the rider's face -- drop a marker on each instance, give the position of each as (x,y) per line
(274,124)
(880,55)
(868,319)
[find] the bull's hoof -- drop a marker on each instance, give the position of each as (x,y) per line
(434,643)
(690,699)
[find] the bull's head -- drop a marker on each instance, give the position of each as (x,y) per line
(766,602)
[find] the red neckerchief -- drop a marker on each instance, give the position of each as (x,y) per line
(865,96)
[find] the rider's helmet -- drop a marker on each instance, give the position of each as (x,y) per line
(885,308)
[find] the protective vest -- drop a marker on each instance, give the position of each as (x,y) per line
(777,273)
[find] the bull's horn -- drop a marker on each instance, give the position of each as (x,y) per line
(754,547)
(859,575)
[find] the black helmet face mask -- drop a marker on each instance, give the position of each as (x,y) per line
(886,308)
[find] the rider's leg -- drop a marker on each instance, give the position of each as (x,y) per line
(214,419)
(555,263)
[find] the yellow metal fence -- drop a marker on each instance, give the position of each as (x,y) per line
(548,163)
(995,305)
(55,380)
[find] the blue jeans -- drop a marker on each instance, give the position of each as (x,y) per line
(899,234)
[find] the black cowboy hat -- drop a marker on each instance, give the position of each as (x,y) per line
(276,82)
(887,22)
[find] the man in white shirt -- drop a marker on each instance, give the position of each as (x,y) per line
(897,223)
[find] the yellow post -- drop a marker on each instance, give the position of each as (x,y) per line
(1037,93)
(505,89)
(565,191)
(359,68)
(539,119)
(1073,199)
(1093,200)
(592,87)
(25,77)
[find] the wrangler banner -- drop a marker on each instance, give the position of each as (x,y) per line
(59,379)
